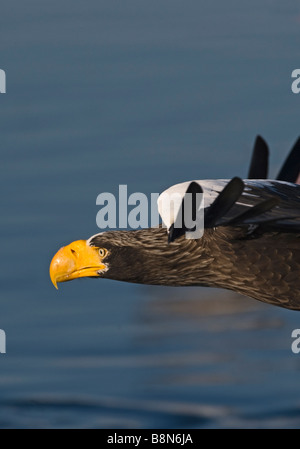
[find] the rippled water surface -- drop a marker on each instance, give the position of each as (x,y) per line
(146,94)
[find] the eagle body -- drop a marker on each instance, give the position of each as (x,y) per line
(224,257)
(250,243)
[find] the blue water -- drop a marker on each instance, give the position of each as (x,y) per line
(148,94)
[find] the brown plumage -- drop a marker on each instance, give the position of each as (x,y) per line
(251,240)
(224,257)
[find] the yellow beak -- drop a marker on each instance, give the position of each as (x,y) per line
(75,261)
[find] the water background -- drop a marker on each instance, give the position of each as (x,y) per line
(148,94)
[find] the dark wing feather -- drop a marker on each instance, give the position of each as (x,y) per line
(251,214)
(274,203)
(291,168)
(260,160)
(223,203)
(178,228)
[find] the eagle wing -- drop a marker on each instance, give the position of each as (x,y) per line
(269,203)
(263,203)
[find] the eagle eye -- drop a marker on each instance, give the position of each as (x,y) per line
(102,252)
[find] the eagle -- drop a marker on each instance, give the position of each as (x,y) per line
(250,243)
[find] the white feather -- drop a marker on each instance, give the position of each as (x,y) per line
(211,189)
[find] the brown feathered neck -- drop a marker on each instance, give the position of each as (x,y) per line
(144,256)
(260,267)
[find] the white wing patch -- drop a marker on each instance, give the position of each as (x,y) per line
(170,200)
